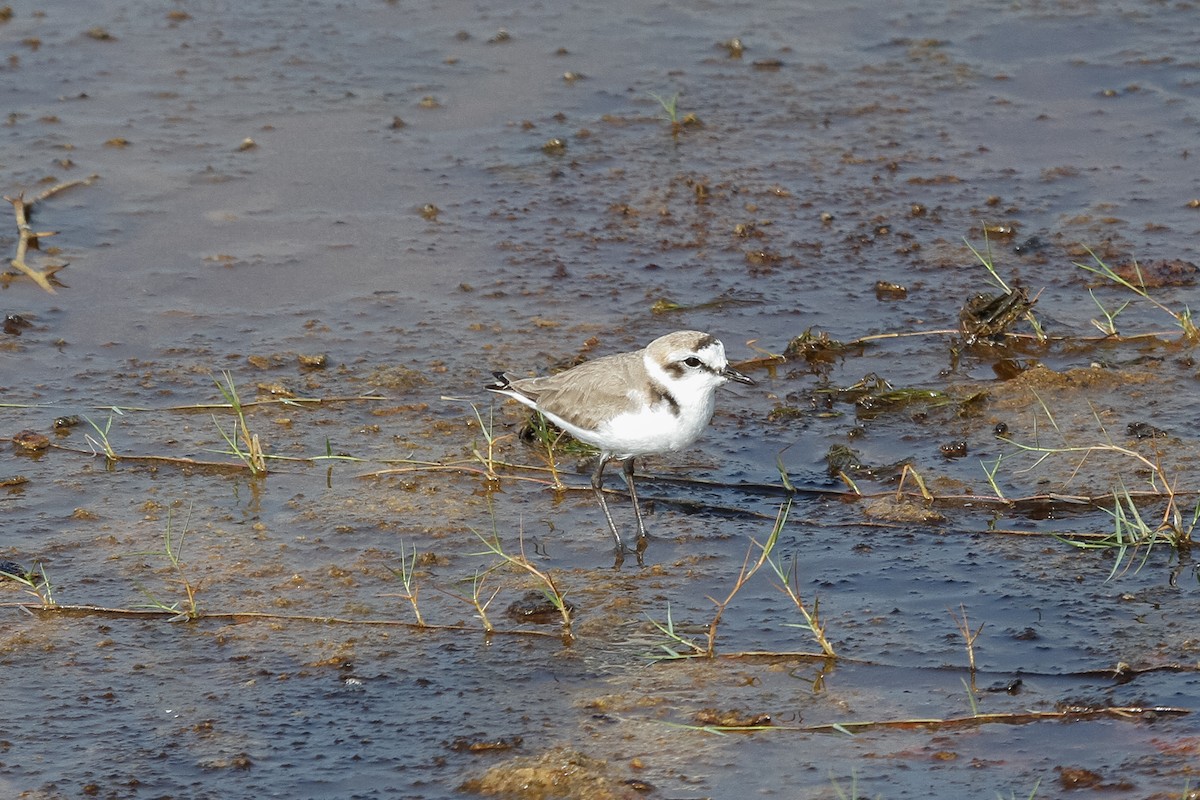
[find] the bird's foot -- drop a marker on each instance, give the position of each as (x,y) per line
(638,550)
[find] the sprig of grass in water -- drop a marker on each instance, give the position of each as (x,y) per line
(36,583)
(692,648)
(252,456)
(475,600)
(747,572)
(488,461)
(789,584)
(548,586)
(1182,318)
(481,606)
(670,105)
(1130,530)
(172,552)
(852,794)
(1130,533)
(988,261)
(991,477)
(971,701)
(679,646)
(100,443)
(407,576)
(1109,326)
(551,440)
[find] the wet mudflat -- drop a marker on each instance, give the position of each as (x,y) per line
(347,218)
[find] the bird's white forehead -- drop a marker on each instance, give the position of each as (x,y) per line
(713,353)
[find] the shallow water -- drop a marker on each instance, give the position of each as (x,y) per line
(845,146)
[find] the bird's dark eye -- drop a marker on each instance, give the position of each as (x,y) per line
(692,362)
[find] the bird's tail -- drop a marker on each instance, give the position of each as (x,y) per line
(502,383)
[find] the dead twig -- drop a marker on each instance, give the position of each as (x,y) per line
(1074,714)
(28,238)
(247,616)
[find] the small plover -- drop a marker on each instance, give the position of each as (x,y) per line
(649,401)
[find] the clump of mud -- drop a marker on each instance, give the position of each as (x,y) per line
(558,773)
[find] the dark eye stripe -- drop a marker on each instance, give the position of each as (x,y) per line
(677,369)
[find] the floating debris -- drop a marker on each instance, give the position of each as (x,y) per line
(1144,430)
(314,361)
(733,47)
(988,317)
(886,290)
(535,607)
(1031,245)
(15,323)
(956,449)
(732,718)
(31,441)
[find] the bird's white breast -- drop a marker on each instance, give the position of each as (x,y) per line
(659,428)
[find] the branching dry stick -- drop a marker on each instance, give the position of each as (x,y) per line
(28,238)
(744,576)
(969,636)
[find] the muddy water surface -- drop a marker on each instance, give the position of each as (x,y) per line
(359,212)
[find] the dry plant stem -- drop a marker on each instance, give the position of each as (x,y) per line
(1130,713)
(916,476)
(248,616)
(555,595)
(1172,519)
(557,485)
(215,466)
(744,576)
(28,238)
(273,401)
(969,636)
(812,619)
(480,606)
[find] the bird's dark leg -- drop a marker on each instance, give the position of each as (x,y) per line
(637,509)
(643,540)
(597,484)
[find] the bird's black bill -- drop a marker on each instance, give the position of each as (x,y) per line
(729,373)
